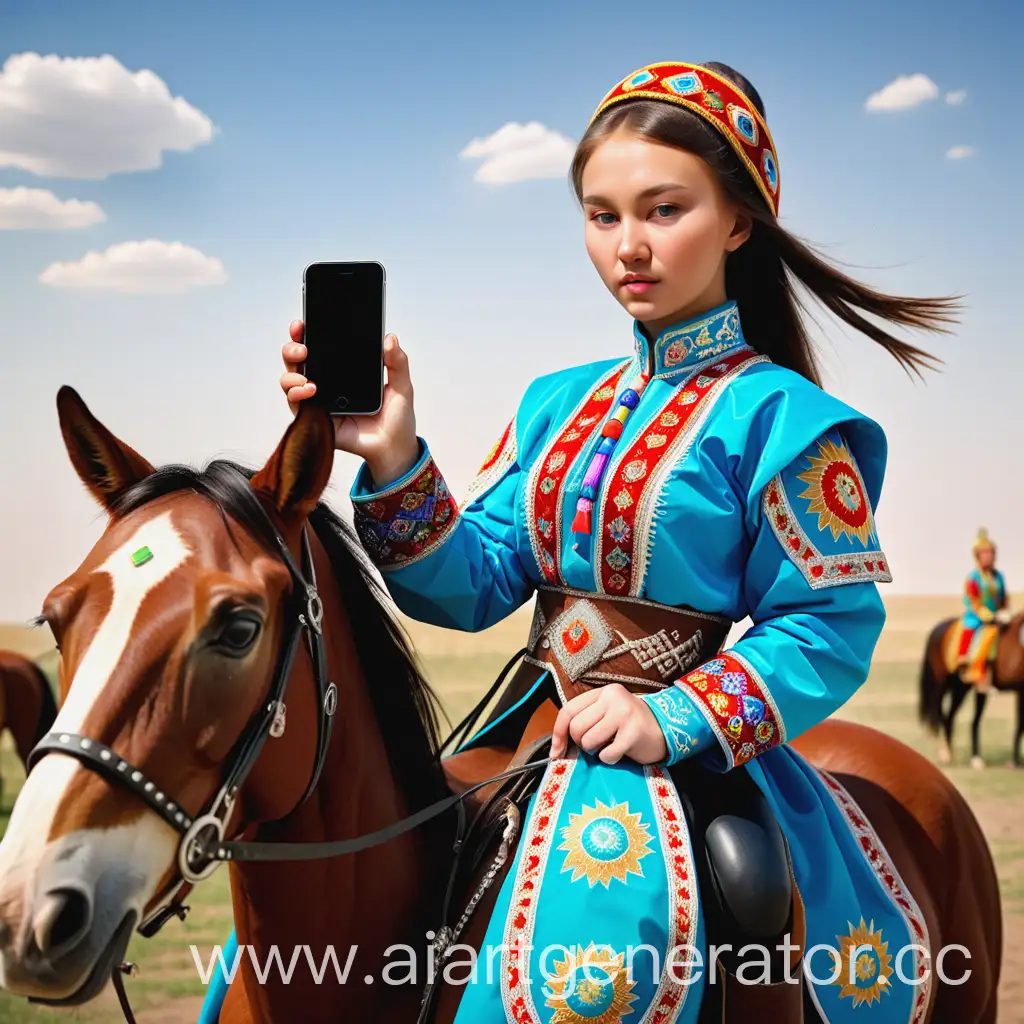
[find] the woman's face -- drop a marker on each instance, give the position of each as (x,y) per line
(986,558)
(658,228)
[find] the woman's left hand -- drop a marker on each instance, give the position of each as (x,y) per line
(613,721)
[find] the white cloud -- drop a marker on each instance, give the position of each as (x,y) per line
(959,152)
(519,152)
(903,92)
(39,209)
(956,97)
(149,267)
(87,117)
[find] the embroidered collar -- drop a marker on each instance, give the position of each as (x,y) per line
(685,344)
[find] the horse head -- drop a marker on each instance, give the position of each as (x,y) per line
(169,634)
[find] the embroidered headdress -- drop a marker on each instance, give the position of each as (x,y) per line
(720,103)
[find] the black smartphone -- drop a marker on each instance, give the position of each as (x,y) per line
(343,310)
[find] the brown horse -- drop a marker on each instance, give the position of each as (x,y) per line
(27,706)
(171,633)
(943,692)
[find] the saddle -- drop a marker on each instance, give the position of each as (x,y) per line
(579,641)
(969,652)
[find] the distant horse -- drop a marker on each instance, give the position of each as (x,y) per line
(179,633)
(27,706)
(942,692)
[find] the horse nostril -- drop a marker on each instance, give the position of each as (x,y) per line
(62,921)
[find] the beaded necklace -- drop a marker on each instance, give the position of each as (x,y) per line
(610,434)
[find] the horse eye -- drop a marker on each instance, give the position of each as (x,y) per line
(239,634)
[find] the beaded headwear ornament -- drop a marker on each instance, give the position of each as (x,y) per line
(983,543)
(722,105)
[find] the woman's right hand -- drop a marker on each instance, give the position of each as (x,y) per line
(387,441)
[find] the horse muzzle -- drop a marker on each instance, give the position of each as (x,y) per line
(65,923)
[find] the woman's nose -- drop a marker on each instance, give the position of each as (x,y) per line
(633,245)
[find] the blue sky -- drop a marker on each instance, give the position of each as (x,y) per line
(337,134)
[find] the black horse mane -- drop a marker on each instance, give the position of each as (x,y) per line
(405,706)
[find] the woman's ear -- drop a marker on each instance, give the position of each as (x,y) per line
(741,229)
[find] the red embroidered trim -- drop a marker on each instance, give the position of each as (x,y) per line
(501,457)
(737,705)
(522,912)
(877,857)
(497,449)
(818,569)
(675,846)
(549,476)
(629,485)
(405,524)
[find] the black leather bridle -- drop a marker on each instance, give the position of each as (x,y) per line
(202,847)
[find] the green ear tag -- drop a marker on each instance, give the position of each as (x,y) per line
(141,557)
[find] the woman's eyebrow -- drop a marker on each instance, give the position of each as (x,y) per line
(653,190)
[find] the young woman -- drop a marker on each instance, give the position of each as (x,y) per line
(650,502)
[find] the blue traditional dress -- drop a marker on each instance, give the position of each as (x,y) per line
(737,488)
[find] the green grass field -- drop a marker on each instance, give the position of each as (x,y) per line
(168,990)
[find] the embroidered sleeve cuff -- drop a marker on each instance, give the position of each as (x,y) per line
(407,520)
(684,728)
(737,705)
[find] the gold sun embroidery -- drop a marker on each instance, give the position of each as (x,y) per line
(590,986)
(603,843)
(868,978)
(836,493)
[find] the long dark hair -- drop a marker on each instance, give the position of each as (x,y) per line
(763,273)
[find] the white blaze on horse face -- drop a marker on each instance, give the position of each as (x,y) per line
(44,789)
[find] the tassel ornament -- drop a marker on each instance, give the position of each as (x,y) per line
(610,434)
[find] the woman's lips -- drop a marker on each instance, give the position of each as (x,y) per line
(639,287)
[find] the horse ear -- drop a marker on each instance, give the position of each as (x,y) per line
(107,466)
(297,473)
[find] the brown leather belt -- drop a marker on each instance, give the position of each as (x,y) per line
(586,640)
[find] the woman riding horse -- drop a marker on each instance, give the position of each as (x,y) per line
(651,502)
(695,809)
(978,651)
(985,602)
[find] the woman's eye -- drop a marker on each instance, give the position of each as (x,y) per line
(239,634)
(605,218)
(665,209)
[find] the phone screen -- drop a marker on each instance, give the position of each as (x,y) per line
(343,309)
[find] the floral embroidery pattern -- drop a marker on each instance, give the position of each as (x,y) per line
(605,843)
(675,842)
(407,523)
(737,705)
(675,713)
(633,478)
(522,913)
(878,859)
(819,570)
(837,494)
(544,489)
